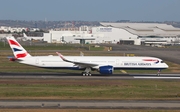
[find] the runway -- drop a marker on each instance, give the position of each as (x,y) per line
(90,104)
(79,76)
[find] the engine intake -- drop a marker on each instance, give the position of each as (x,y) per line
(106,69)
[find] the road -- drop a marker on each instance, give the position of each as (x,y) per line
(90,104)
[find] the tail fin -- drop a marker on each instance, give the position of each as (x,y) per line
(24,35)
(18,50)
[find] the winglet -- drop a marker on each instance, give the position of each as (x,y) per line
(61,56)
(24,35)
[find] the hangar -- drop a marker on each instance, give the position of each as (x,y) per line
(150,33)
(93,35)
(123,33)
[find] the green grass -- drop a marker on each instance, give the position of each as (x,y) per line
(90,89)
(85,47)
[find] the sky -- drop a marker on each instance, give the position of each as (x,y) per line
(90,10)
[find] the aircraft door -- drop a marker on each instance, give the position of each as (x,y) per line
(37,61)
(117,61)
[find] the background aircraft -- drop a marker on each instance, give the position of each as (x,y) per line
(32,38)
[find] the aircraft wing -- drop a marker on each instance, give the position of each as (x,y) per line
(82,64)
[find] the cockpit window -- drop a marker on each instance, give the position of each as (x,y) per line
(162,61)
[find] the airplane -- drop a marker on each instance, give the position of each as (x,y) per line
(105,65)
(30,38)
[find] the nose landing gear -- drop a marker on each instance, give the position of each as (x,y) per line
(158,73)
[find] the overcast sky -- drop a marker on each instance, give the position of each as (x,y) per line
(90,10)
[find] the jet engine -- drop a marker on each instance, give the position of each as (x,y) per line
(106,69)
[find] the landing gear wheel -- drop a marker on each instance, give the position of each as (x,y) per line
(86,73)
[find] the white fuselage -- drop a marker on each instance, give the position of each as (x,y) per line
(118,62)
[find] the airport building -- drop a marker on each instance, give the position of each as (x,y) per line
(2,36)
(12,29)
(150,33)
(121,33)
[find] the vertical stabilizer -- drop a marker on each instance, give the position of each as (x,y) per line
(18,50)
(24,35)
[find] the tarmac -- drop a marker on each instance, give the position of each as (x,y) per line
(90,104)
(79,76)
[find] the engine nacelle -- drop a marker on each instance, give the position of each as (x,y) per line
(106,69)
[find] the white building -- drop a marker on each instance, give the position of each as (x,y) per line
(12,29)
(150,33)
(129,33)
(90,35)
(112,35)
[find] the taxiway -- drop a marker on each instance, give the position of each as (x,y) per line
(79,76)
(90,104)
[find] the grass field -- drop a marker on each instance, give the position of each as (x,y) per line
(89,89)
(47,46)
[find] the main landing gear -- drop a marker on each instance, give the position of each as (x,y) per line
(87,72)
(158,73)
